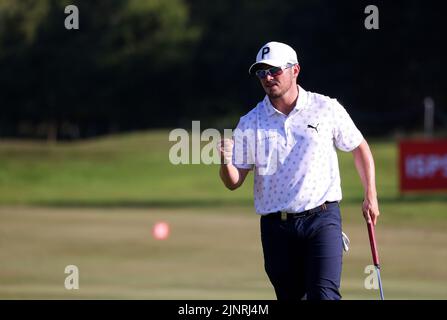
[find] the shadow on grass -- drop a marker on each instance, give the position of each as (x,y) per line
(190,203)
(210,202)
(408,198)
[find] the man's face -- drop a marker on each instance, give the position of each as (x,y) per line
(275,86)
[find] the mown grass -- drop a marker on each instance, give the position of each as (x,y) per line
(134,169)
(93,204)
(212,253)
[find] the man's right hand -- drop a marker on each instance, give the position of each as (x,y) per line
(231,176)
(225,147)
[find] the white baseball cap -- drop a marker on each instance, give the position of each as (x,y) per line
(275,54)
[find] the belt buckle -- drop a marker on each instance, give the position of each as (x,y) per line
(283,216)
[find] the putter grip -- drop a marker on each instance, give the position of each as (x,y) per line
(372,242)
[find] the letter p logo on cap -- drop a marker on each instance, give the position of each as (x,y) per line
(265,51)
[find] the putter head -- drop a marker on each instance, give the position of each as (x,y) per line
(346,241)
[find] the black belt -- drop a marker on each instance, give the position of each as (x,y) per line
(287,215)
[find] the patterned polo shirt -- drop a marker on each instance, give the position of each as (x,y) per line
(294,156)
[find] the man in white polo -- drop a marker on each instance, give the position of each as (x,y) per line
(289,140)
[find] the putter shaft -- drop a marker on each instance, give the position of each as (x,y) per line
(380,283)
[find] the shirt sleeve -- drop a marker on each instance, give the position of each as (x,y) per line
(244,143)
(346,135)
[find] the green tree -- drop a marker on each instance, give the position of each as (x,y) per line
(50,74)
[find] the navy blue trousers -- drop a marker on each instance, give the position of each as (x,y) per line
(303,255)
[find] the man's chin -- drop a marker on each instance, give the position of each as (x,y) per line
(275,93)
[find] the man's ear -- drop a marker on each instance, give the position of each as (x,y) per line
(296,70)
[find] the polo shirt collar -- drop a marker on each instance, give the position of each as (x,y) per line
(301,103)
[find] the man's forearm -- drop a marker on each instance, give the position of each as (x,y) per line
(230,176)
(364,163)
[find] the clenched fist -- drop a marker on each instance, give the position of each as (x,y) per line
(225,147)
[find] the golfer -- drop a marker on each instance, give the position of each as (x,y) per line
(289,140)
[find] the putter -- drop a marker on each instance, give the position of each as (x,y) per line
(375,255)
(346,241)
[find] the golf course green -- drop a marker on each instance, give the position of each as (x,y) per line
(93,204)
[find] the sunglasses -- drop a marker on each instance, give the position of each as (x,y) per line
(274,71)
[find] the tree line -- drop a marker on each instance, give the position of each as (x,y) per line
(142,64)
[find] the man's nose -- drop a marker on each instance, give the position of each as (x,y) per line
(269,77)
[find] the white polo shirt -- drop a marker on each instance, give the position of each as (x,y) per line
(293,156)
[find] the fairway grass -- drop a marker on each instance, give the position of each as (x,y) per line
(210,254)
(93,203)
(134,170)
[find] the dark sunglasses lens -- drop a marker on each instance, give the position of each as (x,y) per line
(276,71)
(261,73)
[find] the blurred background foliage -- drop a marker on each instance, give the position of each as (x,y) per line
(142,64)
